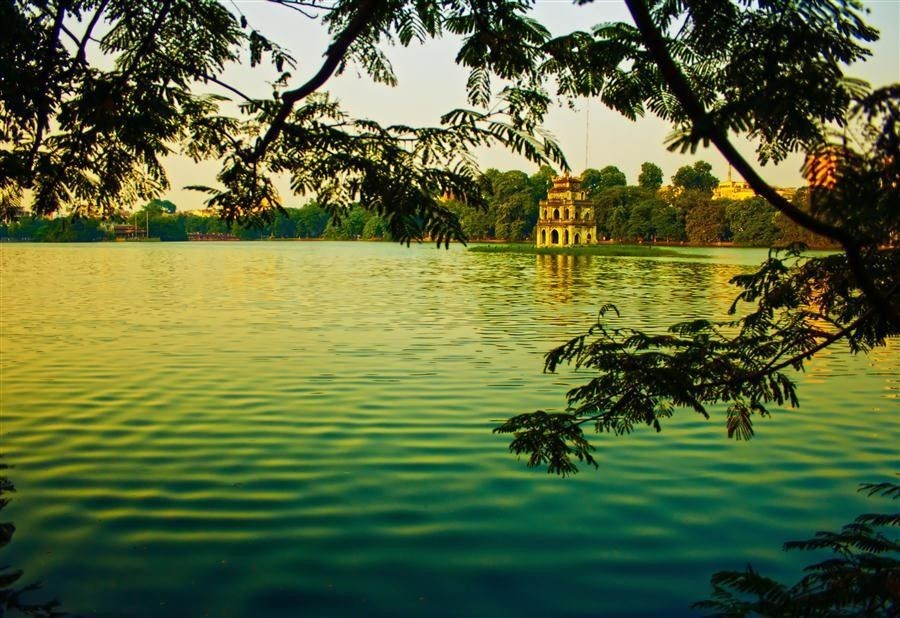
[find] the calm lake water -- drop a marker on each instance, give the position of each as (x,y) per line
(286,429)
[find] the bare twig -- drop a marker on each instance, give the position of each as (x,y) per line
(81,55)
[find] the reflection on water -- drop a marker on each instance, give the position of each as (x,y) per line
(15,595)
(277,429)
(558,276)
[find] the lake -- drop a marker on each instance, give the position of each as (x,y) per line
(286,428)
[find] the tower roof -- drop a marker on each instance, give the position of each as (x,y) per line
(566,183)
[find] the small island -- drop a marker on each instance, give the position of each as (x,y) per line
(606,249)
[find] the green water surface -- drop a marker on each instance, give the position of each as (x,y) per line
(287,429)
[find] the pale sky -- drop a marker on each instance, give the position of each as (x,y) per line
(430,84)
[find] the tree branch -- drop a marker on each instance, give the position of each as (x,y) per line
(81,55)
(147,41)
(43,116)
(333,57)
(303,8)
(698,115)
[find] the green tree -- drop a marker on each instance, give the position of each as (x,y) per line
(611,176)
(169,227)
(590,181)
(158,207)
(541,182)
(651,176)
(640,221)
(668,224)
(310,221)
(376,228)
(205,225)
(513,205)
(282,225)
(476,224)
(696,177)
(348,227)
(752,222)
(613,208)
(791,232)
(595,181)
(705,224)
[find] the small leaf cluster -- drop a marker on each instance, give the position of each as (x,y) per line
(861,578)
(12,598)
(792,307)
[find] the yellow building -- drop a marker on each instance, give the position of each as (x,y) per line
(733,190)
(566,217)
(740,190)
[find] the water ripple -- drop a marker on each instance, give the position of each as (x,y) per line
(277,429)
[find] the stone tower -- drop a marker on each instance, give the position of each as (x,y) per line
(566,217)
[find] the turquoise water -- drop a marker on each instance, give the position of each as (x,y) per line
(281,429)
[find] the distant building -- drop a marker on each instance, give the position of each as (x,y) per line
(566,217)
(741,190)
(202,212)
(733,190)
(129,231)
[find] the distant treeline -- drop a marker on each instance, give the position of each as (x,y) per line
(684,212)
(310,221)
(645,212)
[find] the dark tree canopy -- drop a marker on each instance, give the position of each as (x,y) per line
(95,92)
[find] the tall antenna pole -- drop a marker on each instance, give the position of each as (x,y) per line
(587,130)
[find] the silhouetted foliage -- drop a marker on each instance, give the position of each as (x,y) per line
(16,599)
(860,578)
(773,72)
(96,93)
(791,232)
(742,363)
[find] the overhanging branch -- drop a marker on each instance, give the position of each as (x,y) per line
(333,57)
(698,115)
